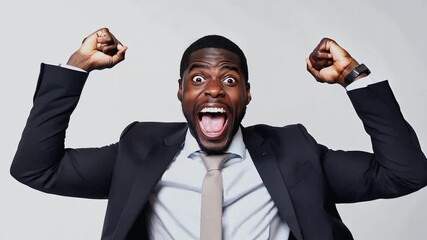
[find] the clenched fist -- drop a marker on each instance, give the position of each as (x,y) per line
(98,51)
(330,63)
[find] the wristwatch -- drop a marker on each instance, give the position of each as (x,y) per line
(356,73)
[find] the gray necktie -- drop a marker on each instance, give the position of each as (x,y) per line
(211,211)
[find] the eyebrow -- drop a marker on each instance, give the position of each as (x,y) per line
(204,66)
(198,65)
(232,68)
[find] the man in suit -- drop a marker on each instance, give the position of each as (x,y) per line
(278,184)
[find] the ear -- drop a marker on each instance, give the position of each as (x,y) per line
(179,94)
(248,93)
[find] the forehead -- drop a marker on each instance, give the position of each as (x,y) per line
(214,56)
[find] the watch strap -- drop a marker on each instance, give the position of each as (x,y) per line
(356,73)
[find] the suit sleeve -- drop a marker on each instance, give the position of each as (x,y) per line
(42,161)
(397,166)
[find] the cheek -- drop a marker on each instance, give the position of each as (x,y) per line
(237,97)
(190,91)
(189,98)
(239,106)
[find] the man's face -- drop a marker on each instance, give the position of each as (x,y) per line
(213,95)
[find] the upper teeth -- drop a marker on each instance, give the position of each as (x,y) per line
(212,110)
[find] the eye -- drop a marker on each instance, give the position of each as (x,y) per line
(229,81)
(198,79)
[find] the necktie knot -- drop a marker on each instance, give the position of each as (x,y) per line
(214,162)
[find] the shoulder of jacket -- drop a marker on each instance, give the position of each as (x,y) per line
(153,126)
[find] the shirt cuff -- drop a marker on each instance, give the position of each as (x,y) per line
(72,68)
(361,83)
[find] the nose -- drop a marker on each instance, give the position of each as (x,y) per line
(214,89)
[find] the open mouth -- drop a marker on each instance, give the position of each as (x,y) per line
(212,121)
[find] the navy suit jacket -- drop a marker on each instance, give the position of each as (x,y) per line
(304,178)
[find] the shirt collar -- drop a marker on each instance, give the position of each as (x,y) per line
(237,146)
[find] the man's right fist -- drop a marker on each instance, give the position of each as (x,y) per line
(98,51)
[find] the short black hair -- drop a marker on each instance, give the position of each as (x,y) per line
(214,41)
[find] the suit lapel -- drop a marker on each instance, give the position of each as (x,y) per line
(263,156)
(148,175)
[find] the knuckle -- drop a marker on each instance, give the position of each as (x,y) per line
(326,39)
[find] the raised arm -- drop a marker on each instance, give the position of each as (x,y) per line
(398,165)
(41,160)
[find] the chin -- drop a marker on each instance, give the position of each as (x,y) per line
(213,148)
(210,146)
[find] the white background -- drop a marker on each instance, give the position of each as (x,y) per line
(388,36)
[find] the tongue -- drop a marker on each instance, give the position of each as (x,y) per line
(212,122)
